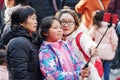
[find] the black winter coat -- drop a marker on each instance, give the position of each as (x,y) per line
(22,56)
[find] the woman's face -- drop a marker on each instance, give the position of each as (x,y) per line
(30,24)
(9,3)
(68,23)
(55,32)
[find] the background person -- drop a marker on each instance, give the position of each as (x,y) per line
(114,8)
(3,67)
(86,9)
(108,44)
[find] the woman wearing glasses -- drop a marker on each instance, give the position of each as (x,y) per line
(70,25)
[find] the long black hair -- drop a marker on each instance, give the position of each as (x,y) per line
(98,17)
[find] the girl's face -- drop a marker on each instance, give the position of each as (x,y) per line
(30,24)
(55,32)
(68,23)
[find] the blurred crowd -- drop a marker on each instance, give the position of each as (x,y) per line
(59,39)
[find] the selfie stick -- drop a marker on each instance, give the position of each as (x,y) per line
(107,18)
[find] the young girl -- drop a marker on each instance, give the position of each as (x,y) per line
(71,28)
(109,42)
(56,56)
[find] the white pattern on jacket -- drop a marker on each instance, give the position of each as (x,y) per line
(86,43)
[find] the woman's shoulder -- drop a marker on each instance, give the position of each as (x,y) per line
(20,39)
(19,42)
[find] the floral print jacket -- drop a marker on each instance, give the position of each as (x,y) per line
(53,63)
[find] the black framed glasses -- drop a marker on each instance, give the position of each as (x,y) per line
(67,22)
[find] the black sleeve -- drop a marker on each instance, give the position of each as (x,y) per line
(18,61)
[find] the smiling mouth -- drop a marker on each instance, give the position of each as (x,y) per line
(35,26)
(60,34)
(65,29)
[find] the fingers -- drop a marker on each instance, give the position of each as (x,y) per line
(49,77)
(95,52)
(85,72)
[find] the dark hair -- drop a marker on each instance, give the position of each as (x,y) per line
(98,17)
(22,2)
(20,15)
(45,25)
(2,58)
(72,13)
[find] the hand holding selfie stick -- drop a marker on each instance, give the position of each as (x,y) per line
(86,65)
(110,18)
